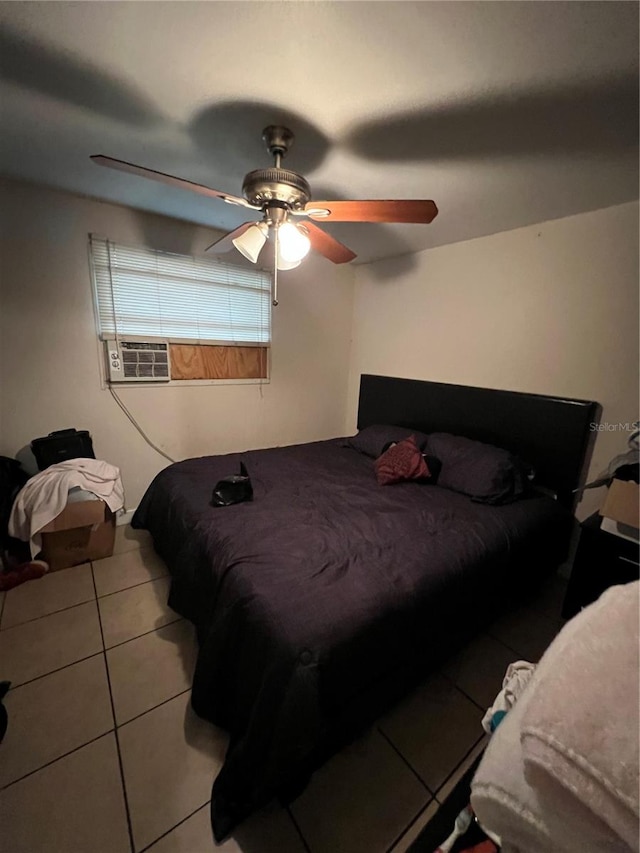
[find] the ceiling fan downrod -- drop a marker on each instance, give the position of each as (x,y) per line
(278,140)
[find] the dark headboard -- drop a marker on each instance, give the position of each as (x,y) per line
(552,434)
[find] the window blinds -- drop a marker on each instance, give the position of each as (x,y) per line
(145,292)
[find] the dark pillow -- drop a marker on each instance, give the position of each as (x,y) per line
(401,462)
(434,465)
(374,440)
(486,473)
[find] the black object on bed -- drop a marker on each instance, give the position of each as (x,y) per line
(320,602)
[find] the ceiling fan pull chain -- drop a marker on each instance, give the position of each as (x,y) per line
(275,265)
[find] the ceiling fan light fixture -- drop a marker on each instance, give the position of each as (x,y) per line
(293,243)
(250,243)
(280,194)
(283,264)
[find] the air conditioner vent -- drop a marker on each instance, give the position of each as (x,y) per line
(138,361)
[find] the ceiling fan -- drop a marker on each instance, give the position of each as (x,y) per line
(283,196)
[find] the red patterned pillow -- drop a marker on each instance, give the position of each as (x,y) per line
(403,461)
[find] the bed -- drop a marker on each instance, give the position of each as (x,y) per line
(322,601)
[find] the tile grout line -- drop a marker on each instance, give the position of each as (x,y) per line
(457,767)
(540,612)
(93,739)
(521,655)
(57,758)
(502,643)
(53,671)
(73,606)
(133,586)
(208,803)
(153,630)
(115,730)
(94,654)
(44,615)
(96,598)
(404,760)
(434,799)
(289,811)
(144,633)
(461,690)
(175,826)
(411,823)
(153,708)
(468,696)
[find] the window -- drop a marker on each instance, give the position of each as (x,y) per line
(141,291)
(216,316)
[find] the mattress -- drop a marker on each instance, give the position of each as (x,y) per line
(316,602)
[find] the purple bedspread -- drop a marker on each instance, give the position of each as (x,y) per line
(314,601)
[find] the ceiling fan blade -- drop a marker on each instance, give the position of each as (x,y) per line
(327,245)
(225,244)
(142,172)
(410,210)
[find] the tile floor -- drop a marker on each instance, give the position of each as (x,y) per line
(104,754)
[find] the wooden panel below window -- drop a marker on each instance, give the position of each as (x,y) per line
(191,361)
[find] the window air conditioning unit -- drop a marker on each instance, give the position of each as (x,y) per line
(138,361)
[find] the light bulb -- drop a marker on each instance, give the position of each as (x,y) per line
(292,242)
(286,265)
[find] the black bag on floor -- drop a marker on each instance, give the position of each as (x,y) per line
(61,445)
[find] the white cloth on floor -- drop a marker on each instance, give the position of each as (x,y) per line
(515,680)
(45,496)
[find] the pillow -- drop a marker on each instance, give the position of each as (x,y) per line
(374,440)
(401,462)
(487,474)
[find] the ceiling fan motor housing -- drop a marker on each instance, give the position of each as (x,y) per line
(273,184)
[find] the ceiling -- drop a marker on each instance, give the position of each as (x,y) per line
(504,113)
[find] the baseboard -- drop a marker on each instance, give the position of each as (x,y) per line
(124,517)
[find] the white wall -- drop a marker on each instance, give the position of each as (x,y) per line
(547,309)
(550,309)
(49,357)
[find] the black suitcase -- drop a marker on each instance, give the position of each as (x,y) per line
(60,445)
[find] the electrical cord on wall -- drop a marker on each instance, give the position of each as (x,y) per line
(111,389)
(137,425)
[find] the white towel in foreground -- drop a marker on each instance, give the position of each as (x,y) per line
(560,774)
(45,496)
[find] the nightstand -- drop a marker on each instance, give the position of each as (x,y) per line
(602,560)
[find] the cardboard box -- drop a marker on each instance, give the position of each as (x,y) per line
(83,531)
(622,503)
